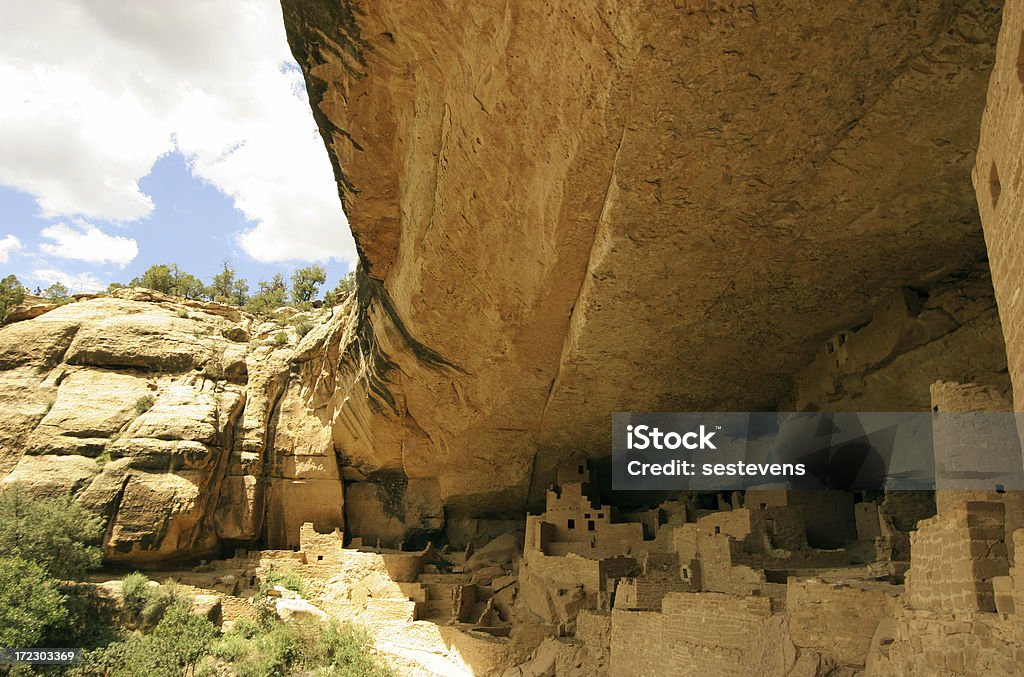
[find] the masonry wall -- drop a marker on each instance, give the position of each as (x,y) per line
(837,619)
(696,633)
(955,556)
(999,184)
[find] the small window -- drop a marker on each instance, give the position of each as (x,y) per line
(587,515)
(718,530)
(319,558)
(763,506)
(600,515)
(686,574)
(1000,489)
(572,524)
(581,469)
(590,525)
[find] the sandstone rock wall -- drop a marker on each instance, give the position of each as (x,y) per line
(567,210)
(178,420)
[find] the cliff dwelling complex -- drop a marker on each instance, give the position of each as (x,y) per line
(563,211)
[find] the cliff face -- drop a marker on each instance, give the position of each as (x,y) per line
(569,209)
(562,211)
(184,423)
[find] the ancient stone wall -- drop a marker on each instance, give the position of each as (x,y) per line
(998,183)
(915,337)
(837,619)
(955,556)
(695,633)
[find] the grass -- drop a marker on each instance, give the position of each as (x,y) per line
(144,404)
(287,579)
(301,647)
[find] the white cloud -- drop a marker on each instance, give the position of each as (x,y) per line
(76,282)
(86,242)
(97,90)
(7,245)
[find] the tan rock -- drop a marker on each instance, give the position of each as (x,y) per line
(298,609)
(150,409)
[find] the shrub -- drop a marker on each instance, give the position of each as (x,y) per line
(30,603)
(90,620)
(299,647)
(55,533)
(104,458)
(302,328)
(346,650)
(280,338)
(136,591)
(183,314)
(144,404)
(288,579)
(175,647)
(161,601)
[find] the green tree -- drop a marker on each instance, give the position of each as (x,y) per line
(158,278)
(185,284)
(306,283)
(30,603)
(222,286)
(346,287)
(57,292)
(56,533)
(174,648)
(12,293)
(240,292)
(271,296)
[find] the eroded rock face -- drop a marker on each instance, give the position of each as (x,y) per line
(565,210)
(178,420)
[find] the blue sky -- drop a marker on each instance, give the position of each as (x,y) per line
(193,224)
(140,133)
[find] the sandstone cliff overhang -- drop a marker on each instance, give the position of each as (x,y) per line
(581,207)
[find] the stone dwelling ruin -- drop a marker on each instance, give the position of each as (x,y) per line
(565,210)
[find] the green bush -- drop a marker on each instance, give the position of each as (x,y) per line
(136,591)
(161,601)
(31,604)
(55,533)
(280,338)
(183,314)
(302,328)
(174,648)
(287,579)
(144,404)
(299,647)
(345,650)
(90,621)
